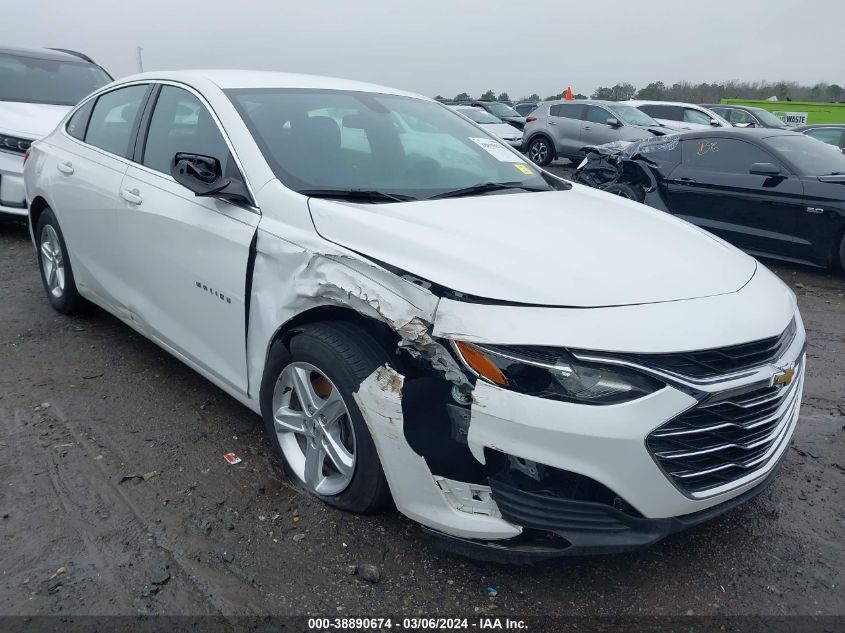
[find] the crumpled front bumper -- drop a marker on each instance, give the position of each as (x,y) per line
(591,528)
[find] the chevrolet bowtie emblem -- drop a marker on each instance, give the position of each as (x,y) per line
(784,376)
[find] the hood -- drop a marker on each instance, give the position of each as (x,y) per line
(579,248)
(30,120)
(502,130)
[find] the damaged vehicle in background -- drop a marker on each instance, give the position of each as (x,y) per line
(561,129)
(38,87)
(379,304)
(772,193)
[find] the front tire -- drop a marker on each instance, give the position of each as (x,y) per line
(624,190)
(54,264)
(313,421)
(540,151)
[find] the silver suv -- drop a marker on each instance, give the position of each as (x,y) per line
(560,129)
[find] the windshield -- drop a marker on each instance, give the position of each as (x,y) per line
(632,115)
(33,80)
(481,117)
(808,155)
(767,118)
(502,110)
(402,146)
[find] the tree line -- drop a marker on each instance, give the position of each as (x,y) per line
(689,92)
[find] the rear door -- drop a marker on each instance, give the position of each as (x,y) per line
(188,255)
(667,115)
(565,126)
(712,187)
(89,167)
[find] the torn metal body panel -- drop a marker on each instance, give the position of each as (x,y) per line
(417,494)
(639,164)
(295,271)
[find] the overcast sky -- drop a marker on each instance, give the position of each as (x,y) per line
(448,46)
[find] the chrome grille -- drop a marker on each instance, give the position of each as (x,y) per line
(710,363)
(726,436)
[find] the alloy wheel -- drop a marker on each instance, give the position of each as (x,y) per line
(539,151)
(314,429)
(52,261)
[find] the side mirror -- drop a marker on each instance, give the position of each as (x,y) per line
(614,122)
(764,169)
(715,123)
(204,176)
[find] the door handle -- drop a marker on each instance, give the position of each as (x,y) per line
(65,168)
(552,122)
(587,127)
(686,181)
(132,196)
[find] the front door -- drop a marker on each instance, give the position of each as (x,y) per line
(712,187)
(188,255)
(594,128)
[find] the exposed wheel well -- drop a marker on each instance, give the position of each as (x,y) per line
(35,210)
(380,331)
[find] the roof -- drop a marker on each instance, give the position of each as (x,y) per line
(639,102)
(738,132)
(730,105)
(600,102)
(815,126)
(42,53)
(235,79)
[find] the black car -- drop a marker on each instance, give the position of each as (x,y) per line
(746,116)
(526,107)
(772,193)
(503,111)
(830,133)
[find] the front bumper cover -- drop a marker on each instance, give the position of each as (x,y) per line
(582,527)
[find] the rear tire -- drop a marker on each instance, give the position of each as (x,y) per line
(54,264)
(334,357)
(540,151)
(624,190)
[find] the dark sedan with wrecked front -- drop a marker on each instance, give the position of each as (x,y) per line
(773,193)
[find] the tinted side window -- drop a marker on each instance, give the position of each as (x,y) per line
(723,155)
(594,114)
(672,113)
(694,116)
(181,123)
(830,136)
(739,116)
(566,110)
(113,118)
(78,123)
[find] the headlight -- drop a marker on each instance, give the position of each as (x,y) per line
(555,374)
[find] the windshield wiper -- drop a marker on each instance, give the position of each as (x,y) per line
(364,195)
(484,187)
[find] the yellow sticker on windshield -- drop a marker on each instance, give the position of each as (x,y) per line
(523,168)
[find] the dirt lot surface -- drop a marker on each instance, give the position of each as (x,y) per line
(115,498)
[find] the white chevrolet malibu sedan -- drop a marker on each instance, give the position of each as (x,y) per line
(526,367)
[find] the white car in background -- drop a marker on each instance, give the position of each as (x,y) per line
(505,131)
(38,87)
(680,116)
(525,366)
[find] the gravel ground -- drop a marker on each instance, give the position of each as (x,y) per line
(115,498)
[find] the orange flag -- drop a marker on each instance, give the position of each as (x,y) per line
(569,96)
